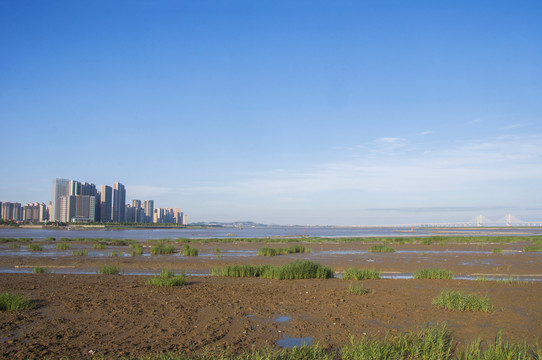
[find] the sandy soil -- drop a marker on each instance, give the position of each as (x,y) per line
(81,316)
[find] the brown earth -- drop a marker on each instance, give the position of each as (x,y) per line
(81,316)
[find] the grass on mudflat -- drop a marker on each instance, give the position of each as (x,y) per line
(161,249)
(99,246)
(433,274)
(62,246)
(301,269)
(294,249)
(461,301)
(82,252)
(14,302)
(189,251)
(167,278)
(39,270)
(381,248)
(361,274)
(501,350)
(533,248)
(218,252)
(14,246)
(109,270)
(497,251)
(433,343)
(357,290)
(137,249)
(34,247)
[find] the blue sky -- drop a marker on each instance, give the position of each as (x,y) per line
(289,112)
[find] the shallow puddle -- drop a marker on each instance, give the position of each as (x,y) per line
(289,342)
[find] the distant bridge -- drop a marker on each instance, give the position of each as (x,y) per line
(481,220)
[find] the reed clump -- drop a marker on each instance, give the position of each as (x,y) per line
(497,251)
(167,278)
(434,274)
(361,274)
(357,290)
(461,301)
(294,249)
(301,269)
(34,247)
(381,249)
(39,270)
(109,270)
(137,249)
(161,249)
(533,248)
(14,302)
(82,252)
(62,246)
(99,246)
(189,251)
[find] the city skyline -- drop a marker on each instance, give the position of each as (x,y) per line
(340,113)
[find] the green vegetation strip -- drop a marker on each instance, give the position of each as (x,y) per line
(294,249)
(161,249)
(14,302)
(533,248)
(109,270)
(433,274)
(381,249)
(357,290)
(361,274)
(301,269)
(460,301)
(167,278)
(434,343)
(189,251)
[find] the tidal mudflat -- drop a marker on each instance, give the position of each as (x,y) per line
(92,315)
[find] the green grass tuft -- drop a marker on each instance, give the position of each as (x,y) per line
(301,269)
(14,302)
(381,248)
(533,248)
(460,301)
(357,290)
(82,252)
(99,246)
(433,274)
(109,270)
(497,251)
(361,274)
(39,270)
(294,249)
(189,251)
(161,249)
(167,278)
(62,246)
(34,247)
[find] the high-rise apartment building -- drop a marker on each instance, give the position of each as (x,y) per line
(148,208)
(61,187)
(119,202)
(12,211)
(106,203)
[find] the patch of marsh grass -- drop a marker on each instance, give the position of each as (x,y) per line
(294,249)
(433,274)
(301,269)
(510,280)
(137,250)
(109,270)
(189,251)
(161,249)
(113,254)
(501,350)
(82,252)
(497,251)
(218,252)
(433,343)
(357,290)
(39,270)
(381,249)
(361,274)
(14,246)
(167,278)
(62,246)
(99,246)
(34,247)
(461,301)
(50,239)
(14,302)
(481,279)
(533,248)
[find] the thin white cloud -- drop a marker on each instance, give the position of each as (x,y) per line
(425,133)
(514,126)
(413,171)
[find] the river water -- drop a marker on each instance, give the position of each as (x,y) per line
(261,232)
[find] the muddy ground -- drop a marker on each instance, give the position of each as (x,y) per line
(81,316)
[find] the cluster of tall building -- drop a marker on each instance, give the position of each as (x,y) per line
(75,201)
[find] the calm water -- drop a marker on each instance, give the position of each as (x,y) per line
(255,232)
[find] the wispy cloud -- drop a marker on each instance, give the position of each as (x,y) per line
(514,126)
(425,133)
(410,171)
